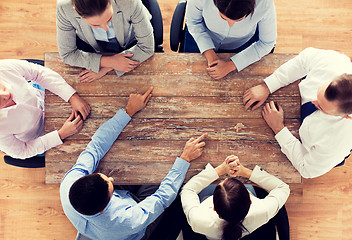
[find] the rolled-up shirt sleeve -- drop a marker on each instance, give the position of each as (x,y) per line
(22,150)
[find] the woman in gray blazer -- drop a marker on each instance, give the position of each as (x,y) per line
(103,35)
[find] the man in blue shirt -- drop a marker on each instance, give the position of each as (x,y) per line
(89,200)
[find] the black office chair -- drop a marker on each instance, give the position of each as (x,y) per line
(33,162)
(279,223)
(157,23)
(177,30)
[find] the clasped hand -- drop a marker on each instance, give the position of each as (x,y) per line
(122,62)
(232,167)
(220,68)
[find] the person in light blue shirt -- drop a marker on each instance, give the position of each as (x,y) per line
(98,211)
(245,27)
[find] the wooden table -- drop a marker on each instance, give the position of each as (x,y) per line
(186,102)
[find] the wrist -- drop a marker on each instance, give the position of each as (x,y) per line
(276,130)
(247,173)
(185,157)
(232,65)
(73,97)
(61,134)
(210,55)
(220,170)
(129,111)
(105,62)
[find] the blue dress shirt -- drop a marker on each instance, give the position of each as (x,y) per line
(210,31)
(123,217)
(102,35)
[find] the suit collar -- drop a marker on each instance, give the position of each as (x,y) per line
(117,22)
(88,33)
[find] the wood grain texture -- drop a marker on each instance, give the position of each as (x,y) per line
(208,106)
(181,129)
(28,30)
(126,158)
(173,107)
(174,75)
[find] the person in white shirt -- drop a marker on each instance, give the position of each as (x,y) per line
(22,109)
(245,27)
(232,211)
(326,133)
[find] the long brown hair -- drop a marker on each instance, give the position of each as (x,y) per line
(231,202)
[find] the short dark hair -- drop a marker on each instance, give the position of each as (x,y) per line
(90,8)
(89,194)
(235,9)
(340,90)
(231,202)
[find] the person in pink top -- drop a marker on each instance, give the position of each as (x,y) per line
(22,109)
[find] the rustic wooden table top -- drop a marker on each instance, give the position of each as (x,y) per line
(186,102)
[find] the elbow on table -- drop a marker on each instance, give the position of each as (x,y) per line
(307,174)
(267,47)
(66,57)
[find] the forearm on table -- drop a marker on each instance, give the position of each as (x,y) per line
(251,54)
(107,133)
(287,73)
(167,191)
(210,55)
(298,155)
(22,150)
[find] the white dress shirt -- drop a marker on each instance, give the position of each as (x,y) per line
(210,31)
(204,220)
(22,125)
(325,139)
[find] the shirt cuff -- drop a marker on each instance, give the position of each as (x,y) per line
(53,138)
(283,137)
(211,172)
(118,73)
(122,117)
(272,83)
(256,174)
(181,165)
(68,94)
(239,62)
(94,63)
(205,44)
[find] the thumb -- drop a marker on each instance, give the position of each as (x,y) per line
(127,55)
(70,118)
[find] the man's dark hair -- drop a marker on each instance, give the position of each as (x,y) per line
(89,194)
(340,90)
(231,203)
(235,9)
(90,8)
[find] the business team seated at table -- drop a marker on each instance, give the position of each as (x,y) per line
(105,35)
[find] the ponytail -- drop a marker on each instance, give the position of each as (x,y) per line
(231,202)
(232,230)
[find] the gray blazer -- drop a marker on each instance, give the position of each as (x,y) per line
(131,20)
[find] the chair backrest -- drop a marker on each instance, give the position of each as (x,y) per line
(177,32)
(279,223)
(157,22)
